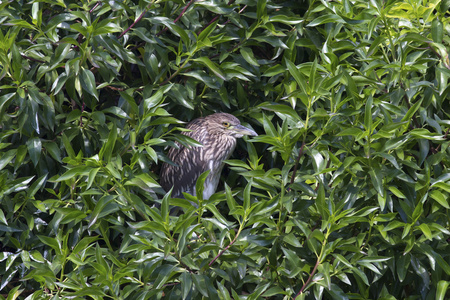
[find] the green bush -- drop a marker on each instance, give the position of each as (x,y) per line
(343,195)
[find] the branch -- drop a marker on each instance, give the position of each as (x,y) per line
(445,59)
(178,18)
(221,252)
(240,11)
(213,20)
(95,6)
(137,20)
(300,153)
(227,247)
(439,146)
(309,278)
(311,275)
(33,59)
(176,72)
(416,123)
(217,17)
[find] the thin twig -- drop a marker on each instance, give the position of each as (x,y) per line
(137,20)
(228,50)
(240,11)
(81,115)
(221,252)
(416,123)
(178,18)
(214,19)
(439,146)
(33,59)
(95,6)
(445,59)
(300,153)
(313,272)
(114,88)
(309,278)
(176,72)
(210,22)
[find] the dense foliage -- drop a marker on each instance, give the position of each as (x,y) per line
(343,195)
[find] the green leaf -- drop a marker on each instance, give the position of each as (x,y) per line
(223,292)
(201,283)
(426,231)
(91,176)
(247,197)
(34,146)
(418,211)
(440,198)
(397,192)
(261,9)
(408,116)
(437,31)
(163,274)
(52,242)
(356,132)
(73,172)
(186,284)
(230,200)
(108,147)
(286,19)
(84,244)
(327,18)
(14,293)
(7,157)
(116,111)
(298,76)
(54,151)
(441,290)
(282,110)
(207,31)
(101,209)
(3,218)
(376,177)
(88,82)
(275,70)
(177,30)
(212,66)
(320,203)
(36,186)
(248,55)
(68,146)
(368,114)
(165,206)
(200,184)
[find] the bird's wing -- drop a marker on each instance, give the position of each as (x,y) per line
(193,168)
(190,162)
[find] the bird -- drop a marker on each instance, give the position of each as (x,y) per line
(217,133)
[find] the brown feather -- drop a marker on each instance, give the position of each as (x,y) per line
(217,133)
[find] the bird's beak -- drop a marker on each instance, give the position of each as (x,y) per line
(240,131)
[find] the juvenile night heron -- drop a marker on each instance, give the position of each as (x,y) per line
(217,133)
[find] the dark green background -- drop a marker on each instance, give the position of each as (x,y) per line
(343,195)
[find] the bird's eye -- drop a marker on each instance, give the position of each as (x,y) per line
(226,124)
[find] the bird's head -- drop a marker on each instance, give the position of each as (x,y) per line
(226,124)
